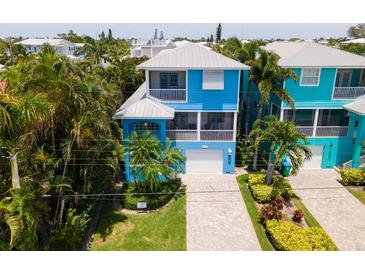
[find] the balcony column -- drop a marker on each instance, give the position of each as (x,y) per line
(234,125)
(281,114)
(315,122)
(198,124)
(147,73)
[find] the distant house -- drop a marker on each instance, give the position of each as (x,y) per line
(152,47)
(329,101)
(355,41)
(190,96)
(34,45)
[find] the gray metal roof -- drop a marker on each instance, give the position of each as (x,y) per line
(191,55)
(308,54)
(357,106)
(145,108)
(135,97)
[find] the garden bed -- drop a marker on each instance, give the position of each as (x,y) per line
(154,200)
(354,181)
(280,219)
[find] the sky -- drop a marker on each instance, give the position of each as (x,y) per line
(145,31)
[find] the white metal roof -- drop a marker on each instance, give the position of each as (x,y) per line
(306,54)
(146,108)
(355,41)
(358,106)
(42,41)
(135,97)
(191,55)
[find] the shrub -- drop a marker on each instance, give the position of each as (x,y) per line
(153,201)
(298,215)
(287,236)
(256,179)
(270,212)
(282,187)
(353,177)
(262,193)
(278,202)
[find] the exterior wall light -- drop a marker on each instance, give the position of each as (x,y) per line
(229,152)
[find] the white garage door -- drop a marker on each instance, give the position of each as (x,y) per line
(316,160)
(204,161)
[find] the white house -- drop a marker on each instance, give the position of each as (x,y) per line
(152,47)
(355,41)
(62,46)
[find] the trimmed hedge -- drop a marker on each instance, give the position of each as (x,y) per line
(264,193)
(287,236)
(153,201)
(353,177)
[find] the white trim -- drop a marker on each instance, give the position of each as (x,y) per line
(334,85)
(238,91)
(198,125)
(194,68)
(315,122)
(306,85)
(281,114)
(234,126)
(217,83)
(271,105)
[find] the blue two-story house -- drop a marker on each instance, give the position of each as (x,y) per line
(190,96)
(329,100)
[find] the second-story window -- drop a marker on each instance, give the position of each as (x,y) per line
(169,80)
(213,79)
(310,77)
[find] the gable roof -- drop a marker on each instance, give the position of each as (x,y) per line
(145,108)
(42,41)
(357,106)
(307,54)
(135,97)
(191,55)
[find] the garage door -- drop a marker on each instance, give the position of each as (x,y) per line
(204,161)
(316,160)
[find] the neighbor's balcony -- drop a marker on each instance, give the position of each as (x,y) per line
(321,131)
(348,92)
(200,135)
(169,95)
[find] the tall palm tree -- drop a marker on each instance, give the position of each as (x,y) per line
(285,141)
(173,159)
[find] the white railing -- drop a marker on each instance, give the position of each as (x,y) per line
(331,131)
(348,92)
(170,95)
(348,164)
(307,131)
(216,135)
(327,131)
(182,134)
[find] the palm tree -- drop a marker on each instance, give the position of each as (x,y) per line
(285,141)
(173,159)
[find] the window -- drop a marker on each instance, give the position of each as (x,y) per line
(310,77)
(333,117)
(300,117)
(362,78)
(146,126)
(343,78)
(213,79)
(217,120)
(169,80)
(183,120)
(275,110)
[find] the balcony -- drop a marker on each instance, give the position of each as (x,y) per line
(168,95)
(320,131)
(348,92)
(203,135)
(182,135)
(216,135)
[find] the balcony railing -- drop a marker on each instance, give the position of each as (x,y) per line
(216,135)
(184,135)
(205,135)
(321,131)
(348,92)
(169,95)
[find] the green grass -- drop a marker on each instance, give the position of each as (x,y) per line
(161,230)
(358,193)
(254,213)
(308,217)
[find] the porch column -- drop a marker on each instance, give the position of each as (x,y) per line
(281,113)
(198,124)
(234,126)
(315,122)
(359,141)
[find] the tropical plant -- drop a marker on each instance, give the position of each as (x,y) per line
(284,140)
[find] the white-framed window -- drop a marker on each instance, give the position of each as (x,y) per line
(213,79)
(310,76)
(146,126)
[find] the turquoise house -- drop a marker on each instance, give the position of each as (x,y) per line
(191,97)
(329,100)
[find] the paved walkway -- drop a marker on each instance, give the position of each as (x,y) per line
(217,220)
(340,214)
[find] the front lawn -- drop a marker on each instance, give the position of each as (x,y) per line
(162,230)
(358,192)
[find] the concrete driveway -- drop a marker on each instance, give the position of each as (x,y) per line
(340,214)
(216,216)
